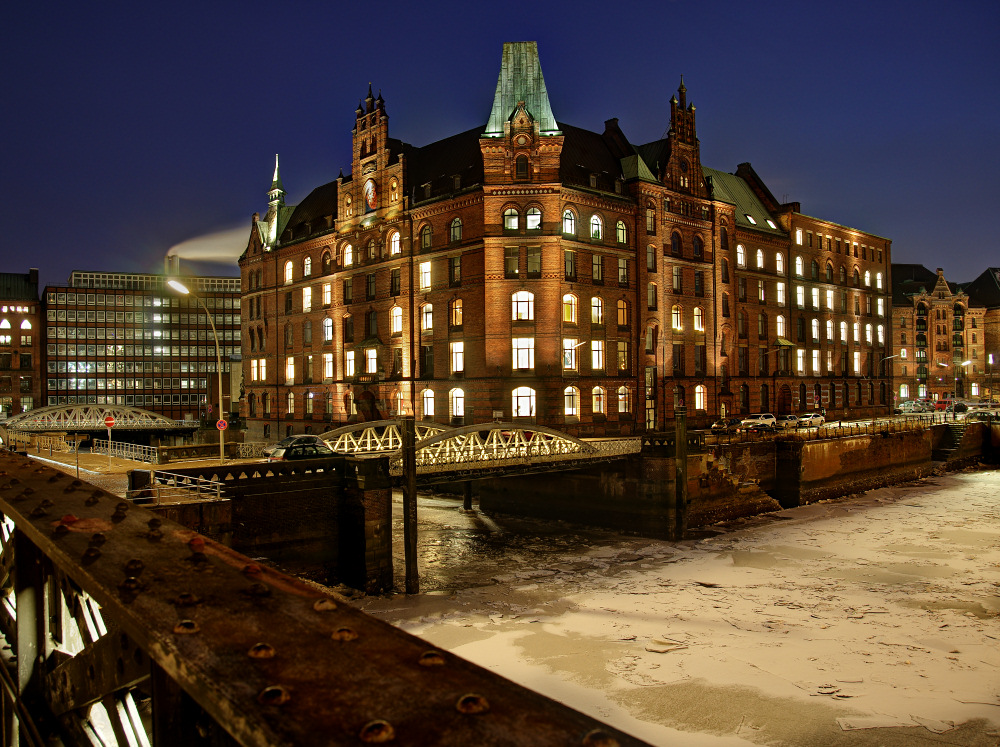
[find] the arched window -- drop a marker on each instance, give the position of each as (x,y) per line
(290,403)
(523,402)
(455,313)
(307,267)
(425,237)
(569,308)
(829,330)
(288,271)
(724,240)
(571,401)
(829,272)
(814,270)
(569,223)
(596,227)
(676,317)
(596,310)
(521,167)
(328,330)
(533,219)
(427,401)
(760,259)
(675,244)
(699,319)
(621,232)
(798,267)
(779,325)
(510,219)
(843,274)
(599,400)
(699,398)
(779,263)
(456,230)
(370,249)
(741,256)
(699,247)
(881,335)
(394,243)
(396,320)
(25,324)
(857,277)
(623,315)
(815,330)
(427,317)
(523,306)
(327,265)
(348,255)
(762,326)
(868,278)
(456,403)
(868,334)
(904,391)
(878,280)
(843,332)
(651,296)
(624,400)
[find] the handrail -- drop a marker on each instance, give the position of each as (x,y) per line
(125,450)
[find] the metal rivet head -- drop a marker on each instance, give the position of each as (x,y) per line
(155,523)
(186,627)
(196,545)
(90,555)
(599,738)
(261,651)
(344,634)
(471,703)
(61,530)
(257,590)
(251,569)
(129,586)
(30,491)
(56,477)
(38,512)
(274,695)
(134,567)
(97,539)
(377,732)
(92,499)
(68,519)
(431,659)
(187,599)
(324,605)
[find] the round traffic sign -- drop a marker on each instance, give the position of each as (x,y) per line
(222,425)
(109,421)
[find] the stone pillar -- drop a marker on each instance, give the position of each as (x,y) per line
(680,481)
(409,435)
(467,491)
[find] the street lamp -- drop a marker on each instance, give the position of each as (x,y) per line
(183,289)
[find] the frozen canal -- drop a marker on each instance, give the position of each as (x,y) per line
(870,620)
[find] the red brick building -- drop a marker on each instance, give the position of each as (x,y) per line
(538,272)
(20,343)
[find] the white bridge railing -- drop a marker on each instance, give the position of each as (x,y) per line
(123,450)
(169,487)
(377,436)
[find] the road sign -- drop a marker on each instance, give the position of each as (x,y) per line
(109,421)
(222,425)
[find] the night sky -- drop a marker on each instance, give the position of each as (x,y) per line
(130,128)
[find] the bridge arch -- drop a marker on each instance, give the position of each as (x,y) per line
(376,436)
(89,418)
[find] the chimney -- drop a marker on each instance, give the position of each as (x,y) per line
(171,265)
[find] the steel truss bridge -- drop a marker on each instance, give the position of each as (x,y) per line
(74,418)
(448,453)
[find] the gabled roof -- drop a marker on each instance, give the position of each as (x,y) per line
(734,190)
(985,289)
(585,153)
(16,286)
(438,162)
(656,154)
(319,203)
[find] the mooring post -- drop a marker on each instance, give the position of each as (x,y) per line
(681,471)
(410,504)
(467,486)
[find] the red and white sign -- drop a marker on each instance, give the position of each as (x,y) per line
(109,421)
(222,425)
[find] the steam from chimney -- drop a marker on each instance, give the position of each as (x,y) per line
(220,246)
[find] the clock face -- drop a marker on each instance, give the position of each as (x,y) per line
(371,195)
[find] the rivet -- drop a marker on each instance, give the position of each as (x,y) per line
(90,555)
(93,498)
(69,519)
(257,590)
(21,496)
(155,523)
(324,605)
(97,539)
(187,599)
(56,477)
(130,585)
(61,530)
(196,545)
(46,502)
(274,695)
(251,569)
(186,627)
(37,512)
(471,703)
(30,491)
(378,731)
(134,567)
(261,651)
(599,738)
(344,634)
(14,481)
(431,659)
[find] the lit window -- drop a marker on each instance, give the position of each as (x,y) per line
(569,223)
(798,267)
(881,334)
(621,232)
(699,398)
(624,401)
(779,263)
(741,256)
(868,278)
(878,280)
(904,391)
(750,218)
(800,296)
(394,243)
(327,330)
(288,271)
(263,369)
(598,399)
(760,259)
(699,319)
(868,334)
(780,293)
(425,276)
(289,370)
(524,353)
(596,310)
(815,362)
(307,299)
(843,331)
(857,332)
(829,330)
(800,360)
(815,298)
(623,319)
(571,401)
(395,320)
(348,255)
(456,403)
(857,362)
(456,313)
(510,219)
(523,306)
(880,304)
(348,363)
(829,300)
(779,325)
(569,308)
(457,357)
(455,230)
(426,317)
(291,403)
(523,402)
(798,236)
(902,353)
(815,330)
(771,224)
(570,345)
(327,365)
(533,219)
(371,360)
(427,400)
(327,294)
(675,317)
(596,227)
(597,355)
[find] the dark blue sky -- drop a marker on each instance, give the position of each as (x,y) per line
(128,128)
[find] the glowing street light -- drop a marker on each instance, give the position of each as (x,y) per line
(183,290)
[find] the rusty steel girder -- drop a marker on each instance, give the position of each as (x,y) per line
(268,658)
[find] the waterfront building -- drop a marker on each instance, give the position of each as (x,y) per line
(985,290)
(128,339)
(939,335)
(20,343)
(533,271)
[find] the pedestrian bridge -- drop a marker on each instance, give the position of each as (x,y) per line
(484,447)
(83,418)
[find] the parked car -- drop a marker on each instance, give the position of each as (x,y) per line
(300,451)
(760,418)
(290,440)
(759,428)
(810,419)
(726,425)
(787,421)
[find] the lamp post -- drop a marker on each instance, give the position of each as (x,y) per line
(183,289)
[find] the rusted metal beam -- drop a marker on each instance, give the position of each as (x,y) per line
(272,660)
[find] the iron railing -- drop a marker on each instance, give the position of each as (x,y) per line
(125,450)
(171,487)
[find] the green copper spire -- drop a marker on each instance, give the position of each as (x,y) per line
(276,193)
(521,80)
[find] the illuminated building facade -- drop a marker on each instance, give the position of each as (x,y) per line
(128,339)
(20,343)
(533,271)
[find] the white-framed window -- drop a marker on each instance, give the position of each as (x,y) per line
(780,293)
(524,353)
(868,278)
(700,402)
(798,267)
(328,330)
(456,403)
(569,344)
(327,294)
(348,255)
(798,236)
(427,317)
(779,325)
(327,365)
(425,276)
(621,232)
(349,366)
(289,269)
(857,332)
(902,354)
(371,360)
(815,330)
(596,310)
(569,222)
(880,306)
(510,219)
(843,331)
(741,255)
(921,390)
(880,331)
(800,360)
(676,318)
(254,376)
(307,298)
(597,355)
(624,399)
(815,362)
(857,362)
(455,230)
(829,330)
(829,300)
(974,389)
(290,403)
(779,263)
(800,296)
(569,304)
(394,243)
(904,391)
(396,320)
(596,227)
(699,319)
(457,356)
(815,298)
(523,306)
(760,259)
(307,267)
(868,334)
(878,280)
(427,402)
(571,401)
(533,219)
(290,370)
(523,402)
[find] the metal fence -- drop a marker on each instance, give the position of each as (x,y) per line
(251,450)
(170,487)
(836,429)
(124,450)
